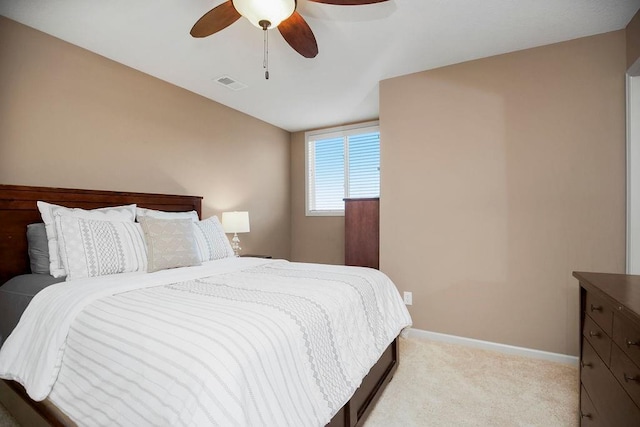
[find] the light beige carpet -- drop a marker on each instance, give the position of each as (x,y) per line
(445,385)
(6,420)
(439,384)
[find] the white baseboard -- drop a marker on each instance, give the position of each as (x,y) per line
(487,345)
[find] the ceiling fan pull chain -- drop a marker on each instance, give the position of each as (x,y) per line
(265,61)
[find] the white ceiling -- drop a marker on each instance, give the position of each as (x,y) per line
(359,45)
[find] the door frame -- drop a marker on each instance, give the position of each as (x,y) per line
(633,169)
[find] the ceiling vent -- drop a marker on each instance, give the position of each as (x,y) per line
(230,83)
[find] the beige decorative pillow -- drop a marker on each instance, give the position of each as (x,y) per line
(170,243)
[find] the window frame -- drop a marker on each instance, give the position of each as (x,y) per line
(334,132)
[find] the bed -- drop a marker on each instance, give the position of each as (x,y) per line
(18,209)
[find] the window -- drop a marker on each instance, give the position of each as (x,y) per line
(341,163)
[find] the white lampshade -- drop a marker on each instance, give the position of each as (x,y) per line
(274,11)
(235,222)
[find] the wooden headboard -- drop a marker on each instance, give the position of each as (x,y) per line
(18,209)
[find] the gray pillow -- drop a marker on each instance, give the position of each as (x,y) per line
(16,294)
(170,243)
(38,248)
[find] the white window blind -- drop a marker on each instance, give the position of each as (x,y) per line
(364,165)
(341,163)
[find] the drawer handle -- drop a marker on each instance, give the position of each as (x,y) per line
(589,416)
(630,343)
(596,307)
(594,334)
(586,365)
(627,378)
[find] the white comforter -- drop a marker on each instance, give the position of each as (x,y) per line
(245,342)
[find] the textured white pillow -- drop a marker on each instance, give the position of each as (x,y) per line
(170,243)
(49,211)
(90,247)
(152,213)
(211,240)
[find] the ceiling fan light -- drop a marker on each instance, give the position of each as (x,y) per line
(274,11)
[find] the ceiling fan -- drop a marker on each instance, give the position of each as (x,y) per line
(266,14)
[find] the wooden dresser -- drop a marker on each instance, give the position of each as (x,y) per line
(609,349)
(362,232)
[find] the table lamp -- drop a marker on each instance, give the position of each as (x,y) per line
(235,222)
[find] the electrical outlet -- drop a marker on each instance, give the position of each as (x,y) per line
(408,298)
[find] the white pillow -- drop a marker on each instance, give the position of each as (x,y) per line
(152,213)
(211,240)
(48,212)
(90,247)
(170,243)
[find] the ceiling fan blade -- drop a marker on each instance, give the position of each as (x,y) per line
(298,34)
(218,18)
(348,2)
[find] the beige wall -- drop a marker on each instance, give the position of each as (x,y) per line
(71,118)
(313,238)
(500,177)
(633,41)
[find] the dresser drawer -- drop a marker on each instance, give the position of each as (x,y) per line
(627,373)
(600,312)
(598,339)
(627,336)
(611,401)
(588,414)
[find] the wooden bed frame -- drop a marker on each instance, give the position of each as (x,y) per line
(18,209)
